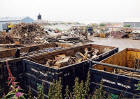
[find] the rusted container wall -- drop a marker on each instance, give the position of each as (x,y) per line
(132,55)
(117,59)
(41,58)
(125,58)
(11,52)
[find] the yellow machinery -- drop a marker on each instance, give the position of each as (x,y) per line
(102,35)
(10,25)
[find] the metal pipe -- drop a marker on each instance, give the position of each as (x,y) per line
(116,66)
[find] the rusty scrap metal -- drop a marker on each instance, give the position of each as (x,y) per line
(27,33)
(64,60)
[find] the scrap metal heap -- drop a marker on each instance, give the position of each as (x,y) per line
(62,60)
(6,39)
(75,35)
(28,33)
(122,33)
(33,33)
(35,50)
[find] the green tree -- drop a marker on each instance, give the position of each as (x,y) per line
(102,24)
(127,25)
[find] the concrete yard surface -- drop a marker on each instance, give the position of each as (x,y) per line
(121,43)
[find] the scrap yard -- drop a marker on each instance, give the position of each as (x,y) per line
(35,53)
(41,59)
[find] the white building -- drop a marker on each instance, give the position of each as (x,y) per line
(133,22)
(12,20)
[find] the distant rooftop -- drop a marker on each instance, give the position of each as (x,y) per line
(5,19)
(9,18)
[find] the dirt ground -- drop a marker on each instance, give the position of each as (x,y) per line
(121,43)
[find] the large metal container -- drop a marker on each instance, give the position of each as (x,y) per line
(37,72)
(27,49)
(119,73)
(16,65)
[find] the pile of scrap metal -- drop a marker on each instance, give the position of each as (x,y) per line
(28,33)
(135,35)
(6,39)
(69,37)
(101,35)
(80,31)
(35,50)
(102,32)
(127,30)
(122,33)
(65,60)
(11,45)
(118,34)
(75,35)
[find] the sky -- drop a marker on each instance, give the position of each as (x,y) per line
(87,11)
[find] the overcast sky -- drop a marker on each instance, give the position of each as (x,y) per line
(72,10)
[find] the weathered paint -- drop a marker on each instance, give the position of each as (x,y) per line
(125,58)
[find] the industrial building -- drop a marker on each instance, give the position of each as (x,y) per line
(132,22)
(12,20)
